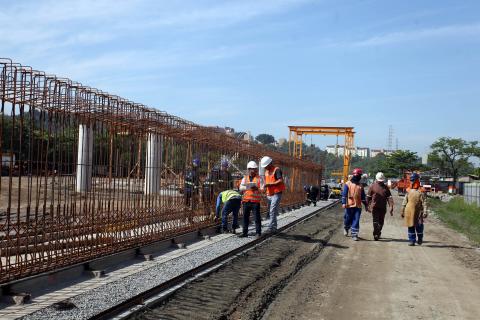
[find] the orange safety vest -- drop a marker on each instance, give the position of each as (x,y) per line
(270,178)
(354,197)
(250,195)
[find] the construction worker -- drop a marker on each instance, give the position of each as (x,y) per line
(251,186)
(274,187)
(377,198)
(231,200)
(312,194)
(192,183)
(224,180)
(414,210)
(353,196)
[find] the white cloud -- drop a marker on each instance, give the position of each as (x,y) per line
(471,30)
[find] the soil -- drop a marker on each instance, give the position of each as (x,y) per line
(313,271)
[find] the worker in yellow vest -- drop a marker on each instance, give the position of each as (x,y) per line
(232,201)
(274,187)
(251,186)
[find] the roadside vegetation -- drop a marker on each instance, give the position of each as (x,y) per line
(459,215)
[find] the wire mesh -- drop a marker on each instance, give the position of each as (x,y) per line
(85,173)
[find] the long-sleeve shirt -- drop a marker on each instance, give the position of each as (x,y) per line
(345,195)
(243,184)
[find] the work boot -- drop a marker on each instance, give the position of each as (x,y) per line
(419,242)
(345,232)
(376,237)
(355,238)
(411,244)
(242,235)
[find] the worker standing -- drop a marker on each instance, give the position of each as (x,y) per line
(414,210)
(377,198)
(251,186)
(192,182)
(353,196)
(274,186)
(231,200)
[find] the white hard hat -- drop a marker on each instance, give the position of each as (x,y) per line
(252,165)
(265,161)
(380,177)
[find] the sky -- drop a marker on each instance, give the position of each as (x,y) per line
(261,65)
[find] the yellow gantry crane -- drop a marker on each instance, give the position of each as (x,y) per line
(296,142)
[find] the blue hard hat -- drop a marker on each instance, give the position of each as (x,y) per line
(414,177)
(225,163)
(196,162)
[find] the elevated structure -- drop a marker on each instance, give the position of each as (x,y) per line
(296,142)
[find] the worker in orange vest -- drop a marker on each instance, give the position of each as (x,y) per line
(251,186)
(353,196)
(274,187)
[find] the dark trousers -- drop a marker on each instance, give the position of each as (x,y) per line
(415,233)
(233,206)
(255,208)
(378,219)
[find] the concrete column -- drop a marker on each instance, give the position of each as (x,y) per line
(84,158)
(153,166)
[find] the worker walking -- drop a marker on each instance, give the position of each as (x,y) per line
(377,198)
(251,186)
(353,196)
(274,186)
(414,210)
(231,200)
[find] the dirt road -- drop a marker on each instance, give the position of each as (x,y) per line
(314,272)
(387,279)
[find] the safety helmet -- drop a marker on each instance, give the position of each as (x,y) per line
(224,163)
(305,188)
(380,177)
(357,172)
(265,161)
(414,177)
(252,165)
(196,162)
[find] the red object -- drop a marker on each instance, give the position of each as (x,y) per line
(357,171)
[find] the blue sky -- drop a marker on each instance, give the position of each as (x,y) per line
(260,66)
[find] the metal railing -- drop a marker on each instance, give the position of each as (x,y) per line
(471,193)
(86,173)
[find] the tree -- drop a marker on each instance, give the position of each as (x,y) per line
(265,138)
(399,161)
(453,154)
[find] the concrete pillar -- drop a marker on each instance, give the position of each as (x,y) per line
(84,158)
(153,166)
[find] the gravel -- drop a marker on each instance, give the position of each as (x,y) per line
(106,296)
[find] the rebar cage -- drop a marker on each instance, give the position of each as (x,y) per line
(85,173)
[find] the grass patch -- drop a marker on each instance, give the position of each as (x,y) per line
(459,215)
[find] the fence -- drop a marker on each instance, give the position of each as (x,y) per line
(94,174)
(471,192)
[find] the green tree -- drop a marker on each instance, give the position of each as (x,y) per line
(399,161)
(265,138)
(453,154)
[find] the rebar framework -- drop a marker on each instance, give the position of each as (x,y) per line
(85,173)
